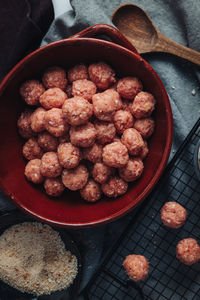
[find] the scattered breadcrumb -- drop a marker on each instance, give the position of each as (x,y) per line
(33,259)
(193,92)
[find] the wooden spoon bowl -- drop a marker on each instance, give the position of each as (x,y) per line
(138,28)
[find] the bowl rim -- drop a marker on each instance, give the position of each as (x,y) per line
(165,156)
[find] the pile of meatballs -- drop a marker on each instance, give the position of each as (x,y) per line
(87,130)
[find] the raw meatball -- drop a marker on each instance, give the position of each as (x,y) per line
(143,105)
(105,131)
(69,156)
(77,111)
(93,153)
(129,87)
(75,179)
(31,90)
(114,187)
(188,251)
(24,124)
(50,166)
(78,72)
(37,120)
(64,139)
(32,150)
(47,141)
(84,88)
(55,77)
(53,97)
(173,215)
(83,135)
(122,120)
(136,266)
(133,170)
(106,104)
(115,155)
(102,75)
(127,105)
(101,172)
(132,139)
(54,186)
(68,91)
(144,152)
(55,123)
(145,127)
(91,191)
(32,171)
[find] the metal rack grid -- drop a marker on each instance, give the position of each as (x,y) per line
(145,234)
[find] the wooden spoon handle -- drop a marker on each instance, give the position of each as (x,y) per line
(165,44)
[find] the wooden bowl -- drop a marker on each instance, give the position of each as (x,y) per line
(70,210)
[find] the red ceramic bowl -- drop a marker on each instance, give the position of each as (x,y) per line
(70,210)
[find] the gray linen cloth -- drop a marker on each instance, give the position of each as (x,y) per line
(180,21)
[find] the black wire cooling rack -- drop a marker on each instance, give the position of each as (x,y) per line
(145,234)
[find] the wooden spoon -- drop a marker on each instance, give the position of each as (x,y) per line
(138,28)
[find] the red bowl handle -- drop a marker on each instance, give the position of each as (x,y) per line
(107,30)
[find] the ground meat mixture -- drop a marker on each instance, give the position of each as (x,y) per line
(75,179)
(55,77)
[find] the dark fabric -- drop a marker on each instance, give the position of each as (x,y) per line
(22,26)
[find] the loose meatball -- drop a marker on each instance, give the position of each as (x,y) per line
(75,179)
(129,87)
(33,172)
(83,135)
(69,156)
(47,141)
(32,150)
(24,124)
(78,72)
(55,123)
(91,191)
(55,77)
(54,186)
(133,141)
(106,104)
(77,111)
(93,153)
(143,105)
(53,98)
(122,120)
(102,75)
(114,187)
(101,172)
(145,127)
(188,251)
(144,152)
(37,120)
(105,131)
(50,166)
(127,105)
(68,91)
(133,170)
(136,267)
(31,90)
(115,155)
(173,215)
(84,88)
